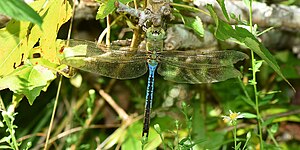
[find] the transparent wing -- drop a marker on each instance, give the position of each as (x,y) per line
(114,62)
(197,76)
(196,67)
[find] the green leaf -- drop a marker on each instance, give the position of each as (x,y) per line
(257,65)
(247,100)
(214,140)
(5,147)
(28,80)
(268,121)
(243,37)
(195,24)
(238,146)
(182,141)
(157,128)
(222,5)
(133,138)
(252,43)
(274,128)
(249,115)
(19,10)
(1,125)
(248,136)
(220,34)
(107,8)
(132,142)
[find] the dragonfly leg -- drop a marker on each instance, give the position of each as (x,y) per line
(149,98)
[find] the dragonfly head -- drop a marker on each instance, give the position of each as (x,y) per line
(155,33)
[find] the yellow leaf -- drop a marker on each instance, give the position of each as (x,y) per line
(60,11)
(19,37)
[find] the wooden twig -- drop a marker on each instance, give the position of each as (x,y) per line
(114,105)
(284,17)
(180,37)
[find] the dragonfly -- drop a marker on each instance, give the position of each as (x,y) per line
(190,66)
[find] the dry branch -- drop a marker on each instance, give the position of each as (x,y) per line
(284,17)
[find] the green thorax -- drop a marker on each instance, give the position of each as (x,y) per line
(155,39)
(154,43)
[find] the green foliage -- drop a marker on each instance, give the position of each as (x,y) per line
(249,115)
(28,80)
(244,37)
(107,8)
(9,118)
(192,119)
(222,4)
(19,10)
(195,24)
(18,39)
(289,70)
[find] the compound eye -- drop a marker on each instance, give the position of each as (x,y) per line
(155,33)
(144,27)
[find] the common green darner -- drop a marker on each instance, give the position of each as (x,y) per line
(191,66)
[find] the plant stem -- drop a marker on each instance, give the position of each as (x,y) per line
(13,138)
(107,41)
(234,135)
(259,120)
(10,126)
(256,100)
(246,142)
(272,137)
(162,140)
(53,113)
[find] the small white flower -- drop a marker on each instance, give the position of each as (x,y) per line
(233,116)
